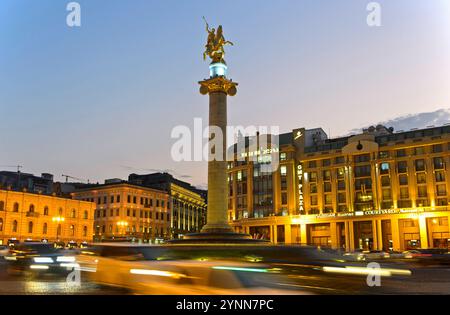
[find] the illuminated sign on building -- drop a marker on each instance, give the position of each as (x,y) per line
(301,205)
(260,152)
(371,212)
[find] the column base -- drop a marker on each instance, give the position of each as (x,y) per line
(217,228)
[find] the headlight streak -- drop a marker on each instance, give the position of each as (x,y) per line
(367,271)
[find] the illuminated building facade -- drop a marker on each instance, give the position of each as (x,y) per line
(375,190)
(37,217)
(188,211)
(126,211)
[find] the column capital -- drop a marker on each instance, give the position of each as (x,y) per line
(218,84)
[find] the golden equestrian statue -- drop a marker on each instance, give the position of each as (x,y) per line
(215,43)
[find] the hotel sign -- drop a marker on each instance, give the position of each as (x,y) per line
(260,152)
(369,212)
(301,204)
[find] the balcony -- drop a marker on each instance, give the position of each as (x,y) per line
(32,214)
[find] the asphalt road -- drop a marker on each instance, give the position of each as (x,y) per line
(424,280)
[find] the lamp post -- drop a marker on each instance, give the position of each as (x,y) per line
(58,220)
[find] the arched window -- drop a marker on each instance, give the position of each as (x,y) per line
(44,229)
(72,230)
(16,207)
(14,226)
(1,224)
(31,208)
(110,228)
(73,214)
(45,210)
(2,205)
(86,215)
(30,227)
(85,231)
(60,211)
(58,230)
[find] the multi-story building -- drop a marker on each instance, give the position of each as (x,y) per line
(26,182)
(374,190)
(128,211)
(37,217)
(188,212)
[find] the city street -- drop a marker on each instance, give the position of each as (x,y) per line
(424,280)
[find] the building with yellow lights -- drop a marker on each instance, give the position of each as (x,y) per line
(128,211)
(37,217)
(377,190)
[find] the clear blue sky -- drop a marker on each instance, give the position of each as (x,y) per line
(97,101)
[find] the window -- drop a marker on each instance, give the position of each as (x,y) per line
(283,170)
(404,193)
(437,148)
(112,199)
(16,207)
(60,211)
(420,165)
(45,210)
(383,154)
(312,164)
(31,208)
(362,158)
(85,231)
(73,214)
(403,179)
(386,193)
(362,171)
(14,226)
(401,153)
(327,187)
(284,198)
(438,163)
(283,156)
(313,176)
(129,199)
(422,191)
(2,205)
(339,160)
(134,200)
(117,212)
(341,185)
(419,150)
(328,199)
(441,190)
(326,162)
(384,168)
(439,176)
(44,228)
(327,175)
(1,224)
(421,178)
(314,200)
(30,227)
(118,198)
(86,215)
(313,188)
(385,181)
(340,173)
(402,167)
(341,198)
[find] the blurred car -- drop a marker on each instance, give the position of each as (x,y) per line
(432,256)
(128,267)
(376,254)
(316,270)
(59,245)
(4,250)
(358,255)
(37,258)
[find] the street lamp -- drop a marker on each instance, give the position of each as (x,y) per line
(58,219)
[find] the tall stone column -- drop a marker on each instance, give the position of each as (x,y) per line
(218,87)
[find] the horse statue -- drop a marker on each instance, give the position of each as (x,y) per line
(215,43)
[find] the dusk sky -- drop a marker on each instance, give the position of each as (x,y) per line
(100,101)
